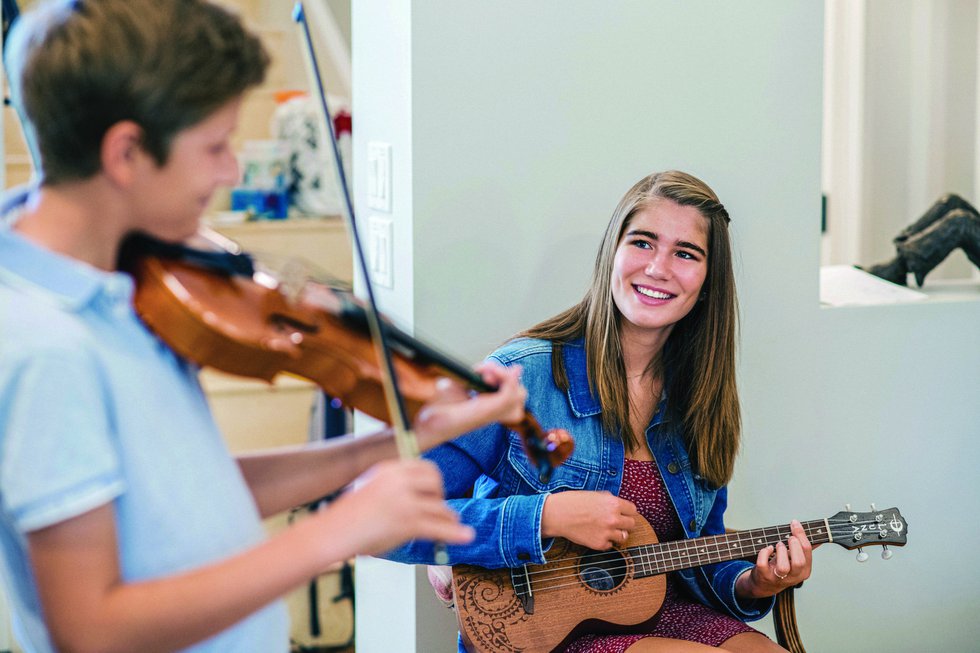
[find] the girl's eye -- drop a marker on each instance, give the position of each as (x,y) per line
(686,255)
(642,244)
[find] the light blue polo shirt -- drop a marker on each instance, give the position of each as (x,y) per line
(95,409)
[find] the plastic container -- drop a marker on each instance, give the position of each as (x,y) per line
(265,165)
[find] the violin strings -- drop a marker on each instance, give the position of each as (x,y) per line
(680,553)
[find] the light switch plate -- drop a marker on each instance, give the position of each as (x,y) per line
(379,176)
(381,251)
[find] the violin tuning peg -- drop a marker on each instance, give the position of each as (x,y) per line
(862,555)
(886,553)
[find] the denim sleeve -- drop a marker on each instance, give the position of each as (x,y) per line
(720,577)
(508,534)
(508,528)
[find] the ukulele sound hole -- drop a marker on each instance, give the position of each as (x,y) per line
(602,572)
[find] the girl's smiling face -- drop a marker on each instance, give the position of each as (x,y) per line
(660,266)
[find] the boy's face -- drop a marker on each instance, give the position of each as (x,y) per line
(170,199)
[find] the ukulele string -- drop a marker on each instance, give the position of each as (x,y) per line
(661,554)
(676,551)
(662,547)
(810,528)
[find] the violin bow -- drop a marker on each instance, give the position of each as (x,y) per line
(404,437)
(540,449)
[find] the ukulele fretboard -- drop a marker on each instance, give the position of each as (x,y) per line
(652,559)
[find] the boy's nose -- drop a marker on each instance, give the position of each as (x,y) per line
(230,174)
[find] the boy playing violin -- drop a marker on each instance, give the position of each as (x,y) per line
(126,525)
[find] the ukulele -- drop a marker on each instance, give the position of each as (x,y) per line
(537,608)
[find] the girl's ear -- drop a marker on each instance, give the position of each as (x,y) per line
(122,152)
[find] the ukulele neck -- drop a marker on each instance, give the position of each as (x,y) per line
(660,558)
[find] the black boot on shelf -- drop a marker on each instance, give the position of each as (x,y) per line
(925,250)
(894,270)
(942,206)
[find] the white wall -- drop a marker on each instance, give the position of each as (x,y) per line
(517,126)
(386,611)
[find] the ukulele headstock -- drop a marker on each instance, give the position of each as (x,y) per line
(854,530)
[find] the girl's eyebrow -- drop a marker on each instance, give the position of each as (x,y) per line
(680,243)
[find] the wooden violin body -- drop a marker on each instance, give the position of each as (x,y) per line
(240,322)
(203,317)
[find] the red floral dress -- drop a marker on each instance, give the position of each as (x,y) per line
(680,617)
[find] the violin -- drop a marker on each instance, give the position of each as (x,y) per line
(217,307)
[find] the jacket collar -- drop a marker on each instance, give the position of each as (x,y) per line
(583,402)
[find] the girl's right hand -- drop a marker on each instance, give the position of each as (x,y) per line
(596,520)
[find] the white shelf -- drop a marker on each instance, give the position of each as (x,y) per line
(952,289)
(844,285)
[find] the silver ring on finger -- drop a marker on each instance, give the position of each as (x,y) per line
(777,575)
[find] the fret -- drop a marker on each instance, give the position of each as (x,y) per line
(660,558)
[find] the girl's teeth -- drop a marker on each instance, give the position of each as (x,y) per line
(653,293)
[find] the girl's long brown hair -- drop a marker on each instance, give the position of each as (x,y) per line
(698,360)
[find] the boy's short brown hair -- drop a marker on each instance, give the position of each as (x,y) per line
(80,66)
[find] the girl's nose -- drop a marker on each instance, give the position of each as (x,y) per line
(658,266)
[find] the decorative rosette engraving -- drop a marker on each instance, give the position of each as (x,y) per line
(491,608)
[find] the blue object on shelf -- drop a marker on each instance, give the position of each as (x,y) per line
(268,204)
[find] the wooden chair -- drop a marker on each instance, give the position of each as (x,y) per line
(784,620)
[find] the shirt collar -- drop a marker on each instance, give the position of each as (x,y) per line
(64,280)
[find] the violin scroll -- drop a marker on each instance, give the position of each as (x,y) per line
(546,450)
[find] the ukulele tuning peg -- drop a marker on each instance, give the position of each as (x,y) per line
(862,555)
(886,553)
(847,507)
(873,509)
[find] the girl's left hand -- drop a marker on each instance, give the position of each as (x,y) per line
(778,567)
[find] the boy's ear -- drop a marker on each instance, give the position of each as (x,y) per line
(122,152)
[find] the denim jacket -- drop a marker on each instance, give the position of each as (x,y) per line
(507,496)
